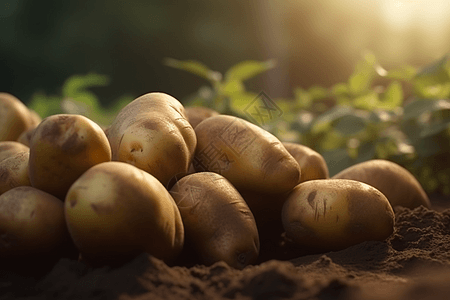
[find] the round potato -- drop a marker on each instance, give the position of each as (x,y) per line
(62,148)
(153,134)
(333,214)
(217,221)
(116,211)
(399,186)
(248,156)
(25,137)
(14,171)
(14,117)
(196,114)
(10,148)
(312,164)
(31,223)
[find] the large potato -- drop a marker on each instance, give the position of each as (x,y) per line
(250,157)
(217,221)
(333,214)
(196,114)
(153,134)
(31,223)
(10,148)
(62,148)
(14,117)
(395,182)
(313,164)
(14,171)
(116,211)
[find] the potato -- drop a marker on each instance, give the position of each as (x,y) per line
(312,164)
(25,137)
(31,223)
(248,156)
(14,171)
(116,211)
(14,117)
(10,148)
(62,148)
(333,214)
(153,134)
(399,186)
(196,114)
(217,221)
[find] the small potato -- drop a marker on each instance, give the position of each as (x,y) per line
(196,114)
(14,171)
(251,158)
(14,117)
(313,164)
(116,211)
(153,134)
(333,214)
(62,148)
(399,186)
(217,221)
(31,223)
(10,148)
(25,137)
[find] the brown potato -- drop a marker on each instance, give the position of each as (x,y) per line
(153,134)
(26,136)
(333,214)
(313,164)
(250,157)
(196,114)
(395,182)
(11,148)
(116,211)
(217,221)
(14,171)
(31,223)
(14,117)
(62,148)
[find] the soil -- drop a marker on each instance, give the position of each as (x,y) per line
(413,263)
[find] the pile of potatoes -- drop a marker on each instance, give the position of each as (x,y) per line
(176,182)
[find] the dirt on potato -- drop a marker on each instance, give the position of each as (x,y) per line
(413,263)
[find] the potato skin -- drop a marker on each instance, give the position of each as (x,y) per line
(10,148)
(399,186)
(116,211)
(333,214)
(62,148)
(313,164)
(14,117)
(248,156)
(31,223)
(14,171)
(153,134)
(217,221)
(196,114)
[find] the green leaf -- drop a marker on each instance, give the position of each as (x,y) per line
(78,83)
(434,129)
(392,97)
(45,105)
(367,101)
(318,92)
(405,73)
(231,87)
(416,108)
(194,67)
(340,89)
(324,120)
(349,125)
(248,69)
(337,160)
(361,79)
(434,80)
(366,151)
(303,98)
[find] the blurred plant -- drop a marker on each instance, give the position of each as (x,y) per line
(75,98)
(357,120)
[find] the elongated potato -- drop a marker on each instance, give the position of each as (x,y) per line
(31,223)
(333,214)
(395,182)
(14,171)
(313,164)
(116,211)
(62,148)
(153,134)
(10,148)
(250,157)
(217,221)
(196,114)
(14,117)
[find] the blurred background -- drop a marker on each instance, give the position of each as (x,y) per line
(44,42)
